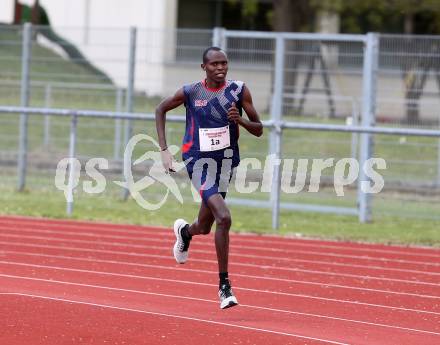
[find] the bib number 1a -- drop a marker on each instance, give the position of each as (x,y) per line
(213,139)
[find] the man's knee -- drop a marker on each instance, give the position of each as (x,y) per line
(224,220)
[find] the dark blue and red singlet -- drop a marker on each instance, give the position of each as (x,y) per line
(211,141)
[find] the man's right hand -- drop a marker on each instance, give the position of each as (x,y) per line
(167,161)
(233,114)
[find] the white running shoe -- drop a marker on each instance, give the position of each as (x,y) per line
(227,298)
(181,246)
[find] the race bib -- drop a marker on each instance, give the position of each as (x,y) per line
(213,139)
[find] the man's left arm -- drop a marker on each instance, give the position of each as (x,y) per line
(253,124)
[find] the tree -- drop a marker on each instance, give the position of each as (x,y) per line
(287,15)
(35,15)
(249,10)
(360,16)
(17,12)
(291,16)
(415,69)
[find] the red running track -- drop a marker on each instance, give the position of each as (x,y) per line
(69,282)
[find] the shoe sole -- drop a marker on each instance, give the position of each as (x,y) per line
(230,302)
(176,233)
(174,249)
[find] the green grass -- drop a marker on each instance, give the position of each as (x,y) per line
(43,200)
(45,64)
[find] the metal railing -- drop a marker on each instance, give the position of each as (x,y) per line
(364,208)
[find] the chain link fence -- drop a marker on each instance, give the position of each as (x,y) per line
(322,83)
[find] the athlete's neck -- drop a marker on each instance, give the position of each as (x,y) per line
(212,84)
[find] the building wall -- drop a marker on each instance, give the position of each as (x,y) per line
(6,11)
(107,13)
(100,29)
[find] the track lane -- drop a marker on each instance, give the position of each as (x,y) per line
(273,286)
(203,261)
(245,250)
(334,330)
(273,240)
(74,322)
(400,274)
(140,261)
(144,282)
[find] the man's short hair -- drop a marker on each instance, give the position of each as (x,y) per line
(207,50)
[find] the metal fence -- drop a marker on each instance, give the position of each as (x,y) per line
(308,78)
(322,77)
(364,209)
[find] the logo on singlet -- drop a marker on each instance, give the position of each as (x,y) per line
(201,103)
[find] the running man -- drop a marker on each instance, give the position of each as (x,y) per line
(213,117)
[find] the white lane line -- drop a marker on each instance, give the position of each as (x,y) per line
(179,317)
(280,240)
(207,284)
(237,274)
(381,268)
(279,250)
(296,251)
(215,301)
(279,268)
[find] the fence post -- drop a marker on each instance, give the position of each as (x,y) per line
(72,145)
(371,59)
(354,136)
(129,98)
(219,38)
(118,106)
(438,162)
(24,102)
(437,179)
(276,131)
(47,104)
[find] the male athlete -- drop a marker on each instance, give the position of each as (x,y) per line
(213,117)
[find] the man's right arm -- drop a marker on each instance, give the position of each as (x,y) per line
(166,105)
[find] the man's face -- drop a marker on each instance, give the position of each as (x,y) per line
(217,66)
